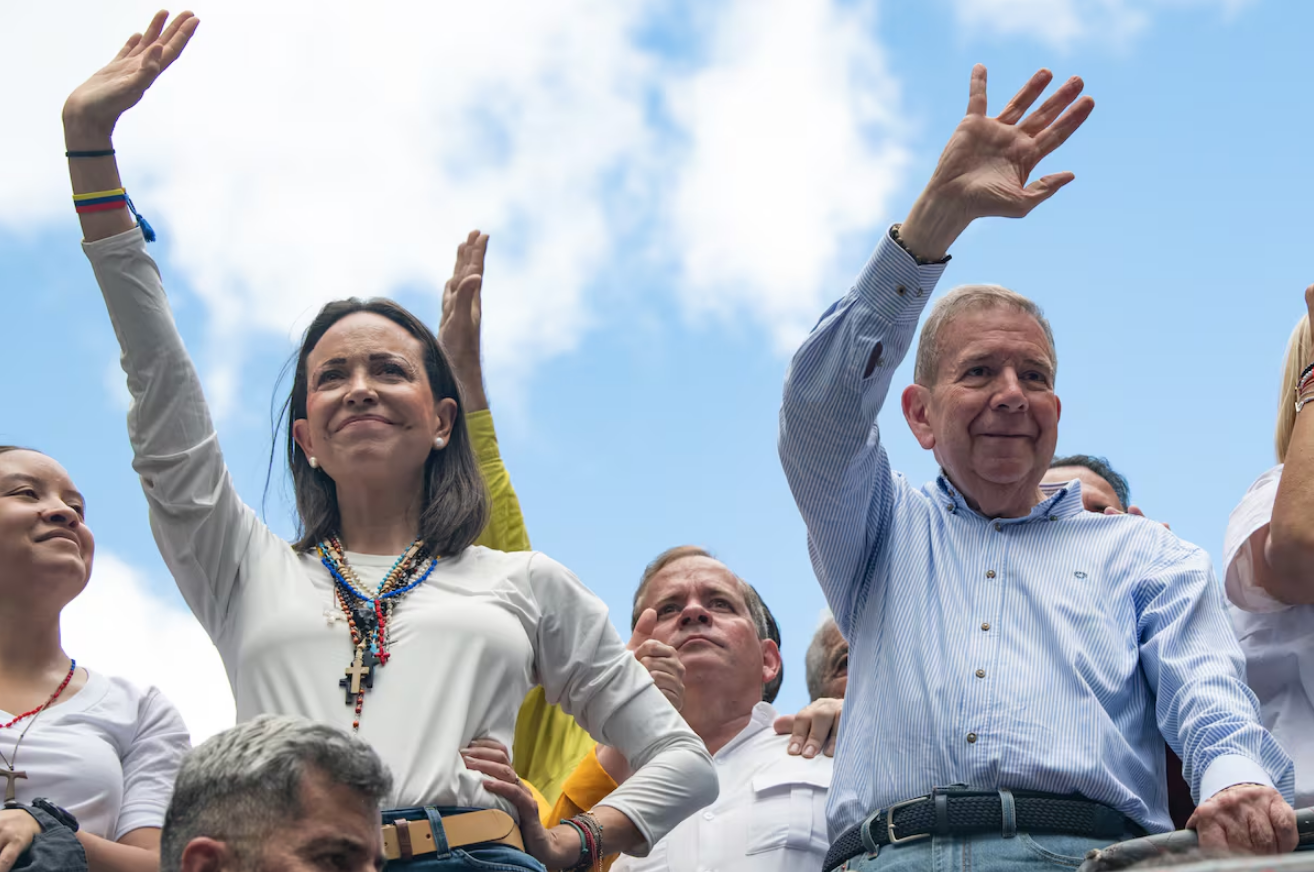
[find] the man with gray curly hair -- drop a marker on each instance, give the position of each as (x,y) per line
(276,793)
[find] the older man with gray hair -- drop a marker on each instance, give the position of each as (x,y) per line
(1016,662)
(277,793)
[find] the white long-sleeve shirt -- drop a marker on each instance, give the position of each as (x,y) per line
(1278,639)
(466,646)
(770,816)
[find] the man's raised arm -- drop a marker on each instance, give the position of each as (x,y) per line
(837,382)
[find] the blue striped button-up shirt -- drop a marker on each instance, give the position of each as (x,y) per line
(1053,652)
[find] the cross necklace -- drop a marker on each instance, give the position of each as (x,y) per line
(11,773)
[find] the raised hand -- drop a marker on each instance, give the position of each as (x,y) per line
(93,109)
(458,331)
(661,660)
(984,170)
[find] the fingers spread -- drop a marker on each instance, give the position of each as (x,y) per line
(1050,109)
(1041,190)
(976,94)
(128,46)
(1023,99)
(156,26)
(1057,134)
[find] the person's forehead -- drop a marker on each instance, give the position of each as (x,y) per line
(687,574)
(363,333)
(25,465)
(995,330)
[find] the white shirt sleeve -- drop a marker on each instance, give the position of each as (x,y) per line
(202,527)
(151,764)
(583,664)
(1254,513)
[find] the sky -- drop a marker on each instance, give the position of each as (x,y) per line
(675,191)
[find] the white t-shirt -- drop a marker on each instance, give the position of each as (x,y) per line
(466,645)
(1278,639)
(109,754)
(770,816)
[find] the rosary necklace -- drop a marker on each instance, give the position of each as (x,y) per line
(11,774)
(367,614)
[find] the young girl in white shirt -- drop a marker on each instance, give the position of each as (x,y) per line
(71,739)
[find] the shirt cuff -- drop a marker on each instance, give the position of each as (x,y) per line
(894,284)
(1231,769)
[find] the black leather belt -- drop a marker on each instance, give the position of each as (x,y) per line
(952,810)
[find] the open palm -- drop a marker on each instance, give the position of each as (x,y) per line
(96,104)
(986,165)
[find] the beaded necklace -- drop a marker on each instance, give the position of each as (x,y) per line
(12,761)
(368,615)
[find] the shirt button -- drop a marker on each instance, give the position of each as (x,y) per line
(980,673)
(998,526)
(985,627)
(900,290)
(971,738)
(990,573)
(707,815)
(1053,517)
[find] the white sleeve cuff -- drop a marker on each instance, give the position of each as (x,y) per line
(1228,770)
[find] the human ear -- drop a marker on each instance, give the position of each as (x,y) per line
(771,662)
(301,435)
(444,418)
(916,403)
(203,854)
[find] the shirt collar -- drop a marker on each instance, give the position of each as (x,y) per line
(763,718)
(1062,500)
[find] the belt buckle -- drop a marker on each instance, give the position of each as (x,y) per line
(889,822)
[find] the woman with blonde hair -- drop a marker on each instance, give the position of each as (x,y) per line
(1269,561)
(383,617)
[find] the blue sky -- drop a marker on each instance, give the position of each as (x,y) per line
(674,193)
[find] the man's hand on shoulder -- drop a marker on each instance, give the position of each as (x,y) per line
(813,729)
(984,168)
(1250,818)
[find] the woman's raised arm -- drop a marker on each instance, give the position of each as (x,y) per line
(92,111)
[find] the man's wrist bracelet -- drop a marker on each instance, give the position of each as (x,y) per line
(921,261)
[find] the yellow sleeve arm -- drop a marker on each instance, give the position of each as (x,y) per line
(506,525)
(588,785)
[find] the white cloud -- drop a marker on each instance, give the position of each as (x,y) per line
(794,143)
(300,152)
(1063,23)
(119,627)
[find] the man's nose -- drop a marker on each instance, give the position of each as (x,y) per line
(694,612)
(1009,395)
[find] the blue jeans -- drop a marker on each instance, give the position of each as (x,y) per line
(487,857)
(982,852)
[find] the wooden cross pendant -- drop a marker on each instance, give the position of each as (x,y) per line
(359,674)
(10,775)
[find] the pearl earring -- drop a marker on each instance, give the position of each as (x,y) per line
(438,442)
(314,464)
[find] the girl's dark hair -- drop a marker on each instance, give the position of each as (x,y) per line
(455,498)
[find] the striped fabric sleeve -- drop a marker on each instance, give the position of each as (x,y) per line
(1194,665)
(829,443)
